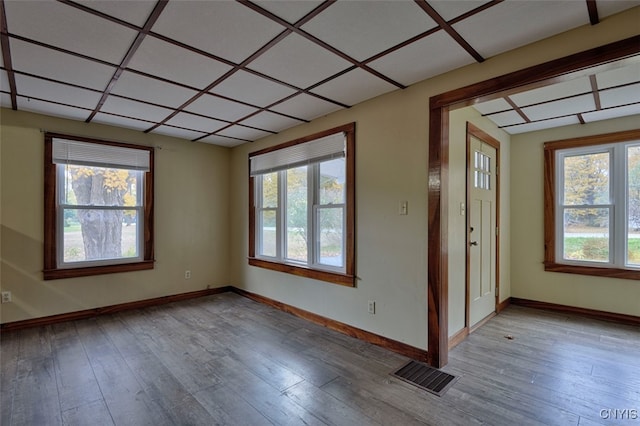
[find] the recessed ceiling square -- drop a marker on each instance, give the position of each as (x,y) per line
(178,133)
(299,61)
(215,107)
(245,133)
(418,62)
(135,109)
(67,27)
(354,87)
(252,89)
(541,125)
(269,121)
(222,141)
(48,108)
(196,122)
(174,63)
(506,118)
(289,10)
(512,24)
(224,28)
(362,29)
(620,96)
(548,93)
(125,122)
(57,92)
(306,106)
(452,9)
(4,81)
(37,60)
(619,76)
(573,105)
(492,106)
(135,12)
(607,114)
(148,89)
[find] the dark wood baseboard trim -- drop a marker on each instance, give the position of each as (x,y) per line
(481,322)
(90,313)
(591,313)
(503,305)
(393,345)
(457,338)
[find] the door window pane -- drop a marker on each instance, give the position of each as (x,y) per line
(586,234)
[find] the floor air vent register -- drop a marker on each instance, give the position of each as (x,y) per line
(425,377)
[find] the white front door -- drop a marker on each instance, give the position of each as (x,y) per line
(482,230)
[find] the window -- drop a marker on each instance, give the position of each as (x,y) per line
(302,203)
(592,205)
(98,207)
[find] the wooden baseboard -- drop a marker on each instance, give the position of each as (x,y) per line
(457,338)
(90,313)
(502,305)
(591,313)
(393,345)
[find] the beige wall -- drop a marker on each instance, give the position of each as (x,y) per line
(529,280)
(191,220)
(457,223)
(391,151)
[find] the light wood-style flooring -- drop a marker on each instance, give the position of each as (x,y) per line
(225,359)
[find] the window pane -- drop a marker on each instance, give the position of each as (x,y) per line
(332,181)
(99,186)
(586,179)
(270,190)
(330,233)
(633,213)
(586,234)
(297,214)
(268,233)
(99,234)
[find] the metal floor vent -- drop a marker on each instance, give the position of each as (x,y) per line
(425,377)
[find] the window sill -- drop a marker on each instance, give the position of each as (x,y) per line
(55,274)
(317,274)
(628,274)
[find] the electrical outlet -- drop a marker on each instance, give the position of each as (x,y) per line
(187,274)
(372,307)
(6,296)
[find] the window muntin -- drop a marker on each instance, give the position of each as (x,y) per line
(98,207)
(306,187)
(593,225)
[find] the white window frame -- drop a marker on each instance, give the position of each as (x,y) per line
(617,204)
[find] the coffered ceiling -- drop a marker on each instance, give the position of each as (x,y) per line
(230,72)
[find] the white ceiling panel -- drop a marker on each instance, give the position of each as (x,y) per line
(611,7)
(34,59)
(541,125)
(306,106)
(70,28)
(136,12)
(270,121)
(245,133)
(619,76)
(135,109)
(573,105)
(43,89)
(362,29)
(252,89)
(4,81)
(620,96)
(178,133)
(5,100)
(224,28)
(560,90)
(353,87)
(506,118)
(299,61)
(289,10)
(607,114)
(148,89)
(512,24)
(222,141)
(452,9)
(495,105)
(418,59)
(48,108)
(128,123)
(196,122)
(174,63)
(216,107)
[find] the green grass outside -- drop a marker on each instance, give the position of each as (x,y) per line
(590,248)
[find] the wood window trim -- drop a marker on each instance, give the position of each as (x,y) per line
(51,270)
(346,279)
(550,149)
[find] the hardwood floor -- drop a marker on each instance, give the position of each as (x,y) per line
(225,359)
